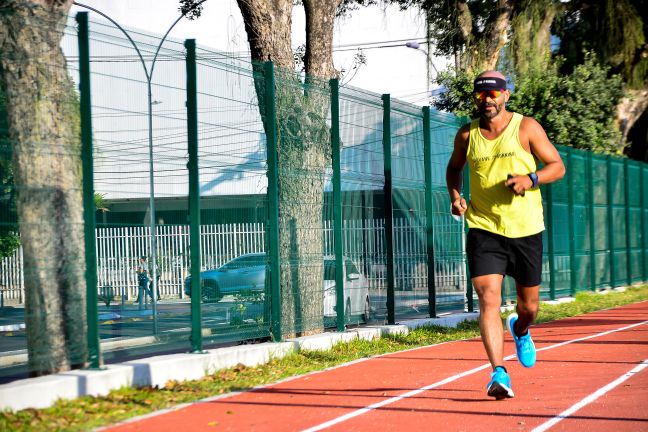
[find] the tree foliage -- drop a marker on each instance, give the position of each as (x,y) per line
(575,109)
(471,31)
(615,30)
(603,50)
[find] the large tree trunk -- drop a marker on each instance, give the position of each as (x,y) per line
(630,109)
(496,34)
(303,148)
(43,120)
(483,46)
(320,20)
(530,44)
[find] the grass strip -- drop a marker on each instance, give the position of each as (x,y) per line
(89,412)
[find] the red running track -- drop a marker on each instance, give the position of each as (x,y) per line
(591,375)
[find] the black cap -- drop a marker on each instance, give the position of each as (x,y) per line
(489,83)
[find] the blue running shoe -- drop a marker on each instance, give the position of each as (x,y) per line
(524,346)
(499,386)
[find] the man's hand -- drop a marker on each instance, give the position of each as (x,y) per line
(459,206)
(518,183)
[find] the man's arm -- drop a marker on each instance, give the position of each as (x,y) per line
(534,139)
(454,171)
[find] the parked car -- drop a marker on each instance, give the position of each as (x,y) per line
(356,290)
(242,274)
(246,273)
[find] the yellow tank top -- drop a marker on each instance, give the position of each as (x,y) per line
(493,207)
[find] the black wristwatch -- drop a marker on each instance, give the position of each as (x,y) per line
(534,179)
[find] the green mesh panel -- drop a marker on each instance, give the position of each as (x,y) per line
(408,170)
(449,234)
(362,180)
(233,199)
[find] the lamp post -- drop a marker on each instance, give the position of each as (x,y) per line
(149,77)
(417,46)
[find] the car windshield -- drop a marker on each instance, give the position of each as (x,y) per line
(245,261)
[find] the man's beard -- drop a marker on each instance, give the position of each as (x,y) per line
(489,114)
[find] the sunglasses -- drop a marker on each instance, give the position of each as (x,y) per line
(482,95)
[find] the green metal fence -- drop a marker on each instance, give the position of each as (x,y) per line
(284,205)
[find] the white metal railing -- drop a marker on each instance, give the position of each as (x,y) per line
(118,250)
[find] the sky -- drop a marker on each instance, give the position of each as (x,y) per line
(382,31)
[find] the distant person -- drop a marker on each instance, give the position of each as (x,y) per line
(142,281)
(504,216)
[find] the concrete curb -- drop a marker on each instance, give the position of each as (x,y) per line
(42,392)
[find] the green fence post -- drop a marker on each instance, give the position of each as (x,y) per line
(550,243)
(571,223)
(337,203)
(273,199)
(642,191)
(92,313)
(610,226)
(194,196)
(429,220)
(469,287)
(592,224)
(389,214)
(626,197)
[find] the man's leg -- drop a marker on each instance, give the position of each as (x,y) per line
(489,291)
(518,323)
(527,307)
(528,274)
(141,293)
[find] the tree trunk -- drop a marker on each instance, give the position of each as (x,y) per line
(303,148)
(530,44)
(320,19)
(43,119)
(496,33)
(482,47)
(629,111)
(543,36)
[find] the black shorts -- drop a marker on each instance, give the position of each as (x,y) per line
(520,258)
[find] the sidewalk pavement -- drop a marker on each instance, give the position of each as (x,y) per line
(12,318)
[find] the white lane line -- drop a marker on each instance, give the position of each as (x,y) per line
(411,393)
(591,398)
(591,336)
(394,399)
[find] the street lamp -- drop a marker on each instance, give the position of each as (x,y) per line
(151,102)
(417,46)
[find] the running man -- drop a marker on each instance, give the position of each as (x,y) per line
(504,216)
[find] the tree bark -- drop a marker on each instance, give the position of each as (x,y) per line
(43,120)
(630,109)
(268,24)
(543,36)
(530,44)
(320,20)
(303,148)
(482,46)
(496,34)
(464,24)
